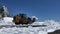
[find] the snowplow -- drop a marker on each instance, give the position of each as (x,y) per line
(23,19)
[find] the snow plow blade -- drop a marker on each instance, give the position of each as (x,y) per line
(18,26)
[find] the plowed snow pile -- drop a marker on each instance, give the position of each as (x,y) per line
(51,26)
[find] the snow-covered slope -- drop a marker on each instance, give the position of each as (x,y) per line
(51,26)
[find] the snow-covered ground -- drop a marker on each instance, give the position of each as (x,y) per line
(6,21)
(51,26)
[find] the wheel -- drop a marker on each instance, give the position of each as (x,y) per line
(17,23)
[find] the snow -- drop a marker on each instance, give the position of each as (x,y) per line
(38,23)
(34,17)
(51,26)
(20,31)
(51,30)
(42,32)
(8,19)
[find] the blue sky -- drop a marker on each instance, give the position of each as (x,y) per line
(43,9)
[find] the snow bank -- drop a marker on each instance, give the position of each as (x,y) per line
(8,19)
(51,26)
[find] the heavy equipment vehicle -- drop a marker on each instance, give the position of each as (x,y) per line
(23,19)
